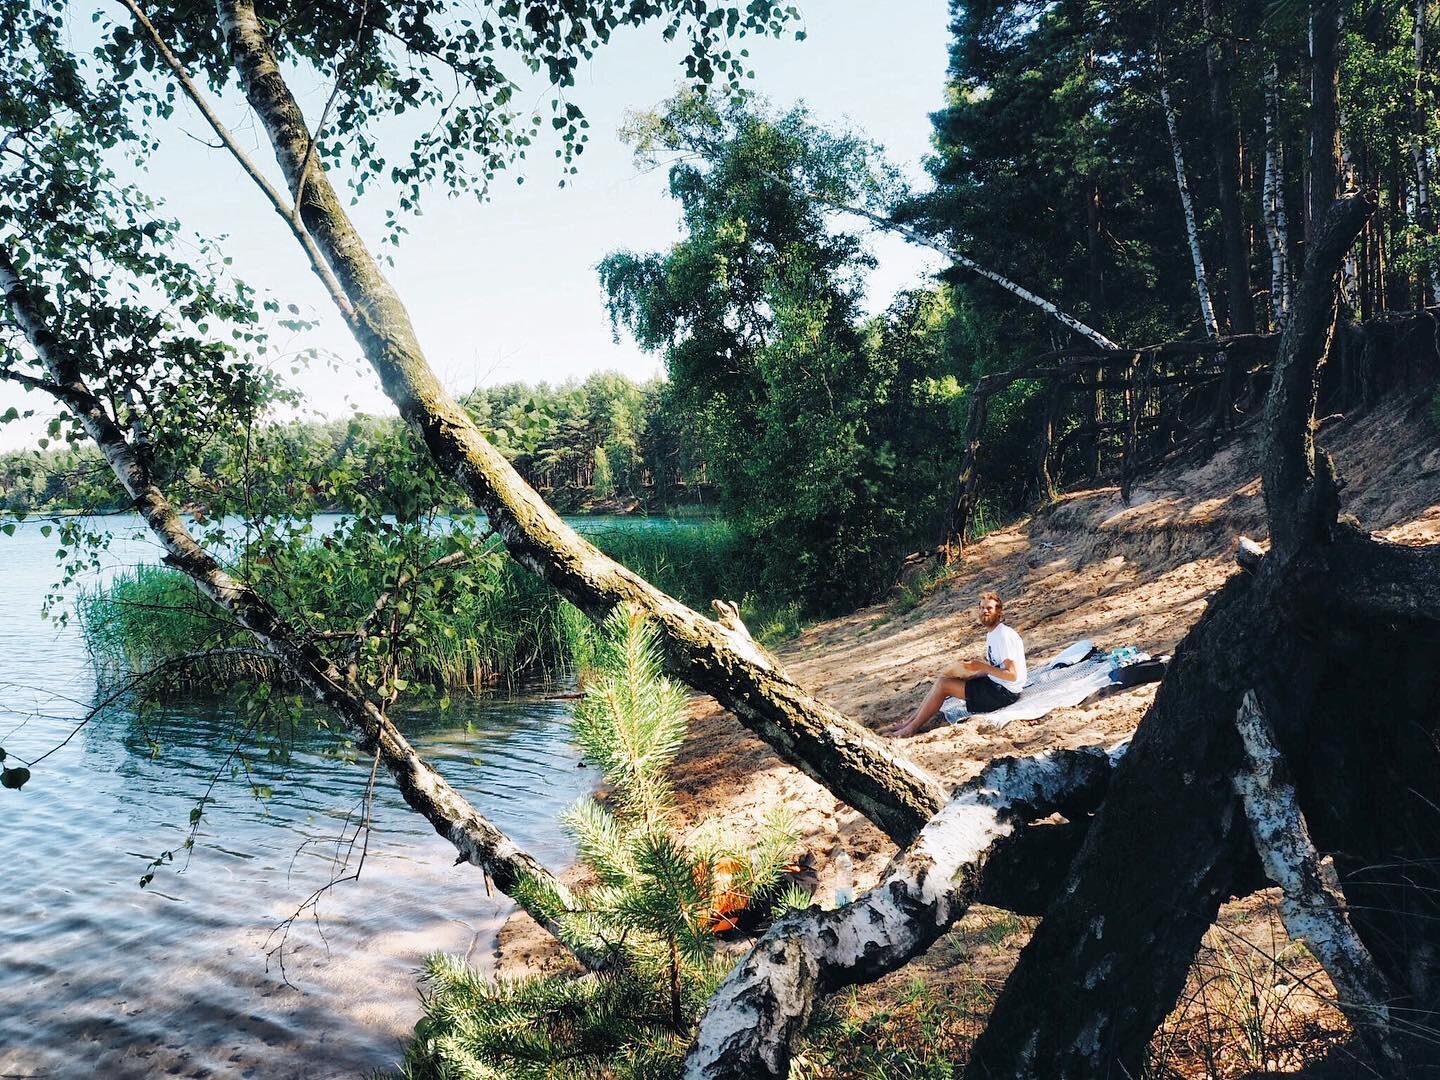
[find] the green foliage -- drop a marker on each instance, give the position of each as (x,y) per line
(576,442)
(518,1029)
(464,626)
(602,481)
(467,73)
(816,432)
(653,910)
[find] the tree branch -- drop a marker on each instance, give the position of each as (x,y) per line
(477,840)
(958,256)
(290,215)
(1299,484)
(830,748)
(765,1002)
(1312,908)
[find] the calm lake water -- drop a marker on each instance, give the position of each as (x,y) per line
(100,977)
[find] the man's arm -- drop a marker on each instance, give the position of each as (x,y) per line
(1005,671)
(966,668)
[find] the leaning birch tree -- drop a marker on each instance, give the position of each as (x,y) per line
(1187,206)
(236,46)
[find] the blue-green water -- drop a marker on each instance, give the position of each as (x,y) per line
(100,977)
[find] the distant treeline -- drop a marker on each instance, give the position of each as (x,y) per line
(597,444)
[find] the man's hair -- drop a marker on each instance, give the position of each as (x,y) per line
(991,594)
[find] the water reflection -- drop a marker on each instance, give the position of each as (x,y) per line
(101,976)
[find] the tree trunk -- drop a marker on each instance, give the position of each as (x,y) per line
(859,768)
(753,1020)
(1045,480)
(1324,112)
(1312,908)
(1094,254)
(1202,286)
(1420,154)
(964,503)
(1277,229)
(1225,136)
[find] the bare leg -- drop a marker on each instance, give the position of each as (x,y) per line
(944,687)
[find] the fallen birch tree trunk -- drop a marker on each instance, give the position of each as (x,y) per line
(1312,908)
(762,1007)
(478,841)
(950,251)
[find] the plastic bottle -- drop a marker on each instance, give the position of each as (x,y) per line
(844,879)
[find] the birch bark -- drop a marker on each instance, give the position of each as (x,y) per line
(765,1002)
(1312,908)
(1277,228)
(1065,319)
(1202,285)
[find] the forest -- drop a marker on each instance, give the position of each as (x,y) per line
(1175,236)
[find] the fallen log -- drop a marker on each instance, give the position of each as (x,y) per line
(764,1004)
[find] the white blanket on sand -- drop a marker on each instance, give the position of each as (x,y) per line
(1068,679)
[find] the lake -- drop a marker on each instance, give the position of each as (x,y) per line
(184,978)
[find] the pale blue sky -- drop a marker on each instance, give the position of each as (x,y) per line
(507,290)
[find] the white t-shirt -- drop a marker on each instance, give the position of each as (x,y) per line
(1003,644)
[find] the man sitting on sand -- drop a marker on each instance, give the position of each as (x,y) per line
(983,687)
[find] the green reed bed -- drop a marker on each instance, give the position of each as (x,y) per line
(490,622)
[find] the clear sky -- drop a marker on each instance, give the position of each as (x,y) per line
(507,290)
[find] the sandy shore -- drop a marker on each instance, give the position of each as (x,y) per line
(1086,567)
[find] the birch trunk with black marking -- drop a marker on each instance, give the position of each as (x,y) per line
(1312,908)
(1277,229)
(953,253)
(1192,234)
(762,1007)
(475,838)
(859,768)
(1420,151)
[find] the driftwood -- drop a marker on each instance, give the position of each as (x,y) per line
(765,1002)
(1313,909)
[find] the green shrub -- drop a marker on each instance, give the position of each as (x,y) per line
(485,621)
(652,914)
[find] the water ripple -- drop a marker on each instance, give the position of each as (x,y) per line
(101,977)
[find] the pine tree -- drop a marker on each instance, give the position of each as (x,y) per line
(660,896)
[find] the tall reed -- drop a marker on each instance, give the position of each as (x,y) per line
(504,626)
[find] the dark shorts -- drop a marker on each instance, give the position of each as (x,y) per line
(984,694)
